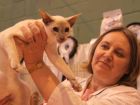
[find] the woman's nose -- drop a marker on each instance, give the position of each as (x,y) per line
(108,55)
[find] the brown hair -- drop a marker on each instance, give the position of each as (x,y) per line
(129,79)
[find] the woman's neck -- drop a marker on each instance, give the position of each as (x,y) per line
(95,84)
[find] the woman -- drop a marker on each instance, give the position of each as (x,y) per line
(114,64)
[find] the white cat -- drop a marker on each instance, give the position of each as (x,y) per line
(58,29)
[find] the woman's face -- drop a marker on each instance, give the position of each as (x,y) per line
(111,58)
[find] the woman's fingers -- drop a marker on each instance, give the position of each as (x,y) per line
(38,31)
(35,30)
(27,33)
(42,30)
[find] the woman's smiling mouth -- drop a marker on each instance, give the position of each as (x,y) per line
(103,63)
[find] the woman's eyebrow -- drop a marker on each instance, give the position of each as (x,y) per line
(119,48)
(104,42)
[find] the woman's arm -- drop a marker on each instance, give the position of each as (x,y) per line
(33,57)
(44,79)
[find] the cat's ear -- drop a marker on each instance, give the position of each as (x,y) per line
(45,16)
(72,19)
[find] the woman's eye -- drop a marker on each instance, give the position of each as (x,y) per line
(119,53)
(55,29)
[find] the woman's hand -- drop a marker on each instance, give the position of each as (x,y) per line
(33,50)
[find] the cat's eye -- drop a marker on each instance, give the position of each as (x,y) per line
(67,29)
(55,29)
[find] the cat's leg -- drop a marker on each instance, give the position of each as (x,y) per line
(8,42)
(61,65)
(12,53)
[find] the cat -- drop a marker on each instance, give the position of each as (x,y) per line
(58,29)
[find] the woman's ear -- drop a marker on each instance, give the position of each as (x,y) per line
(72,19)
(45,17)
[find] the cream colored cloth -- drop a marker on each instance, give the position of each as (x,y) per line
(138,82)
(114,95)
(56,72)
(80,57)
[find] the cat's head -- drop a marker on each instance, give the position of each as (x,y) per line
(60,26)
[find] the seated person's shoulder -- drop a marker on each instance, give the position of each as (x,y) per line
(124,90)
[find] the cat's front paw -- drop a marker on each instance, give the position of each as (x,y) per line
(35,99)
(76,86)
(16,66)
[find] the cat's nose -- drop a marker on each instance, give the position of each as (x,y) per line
(61,39)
